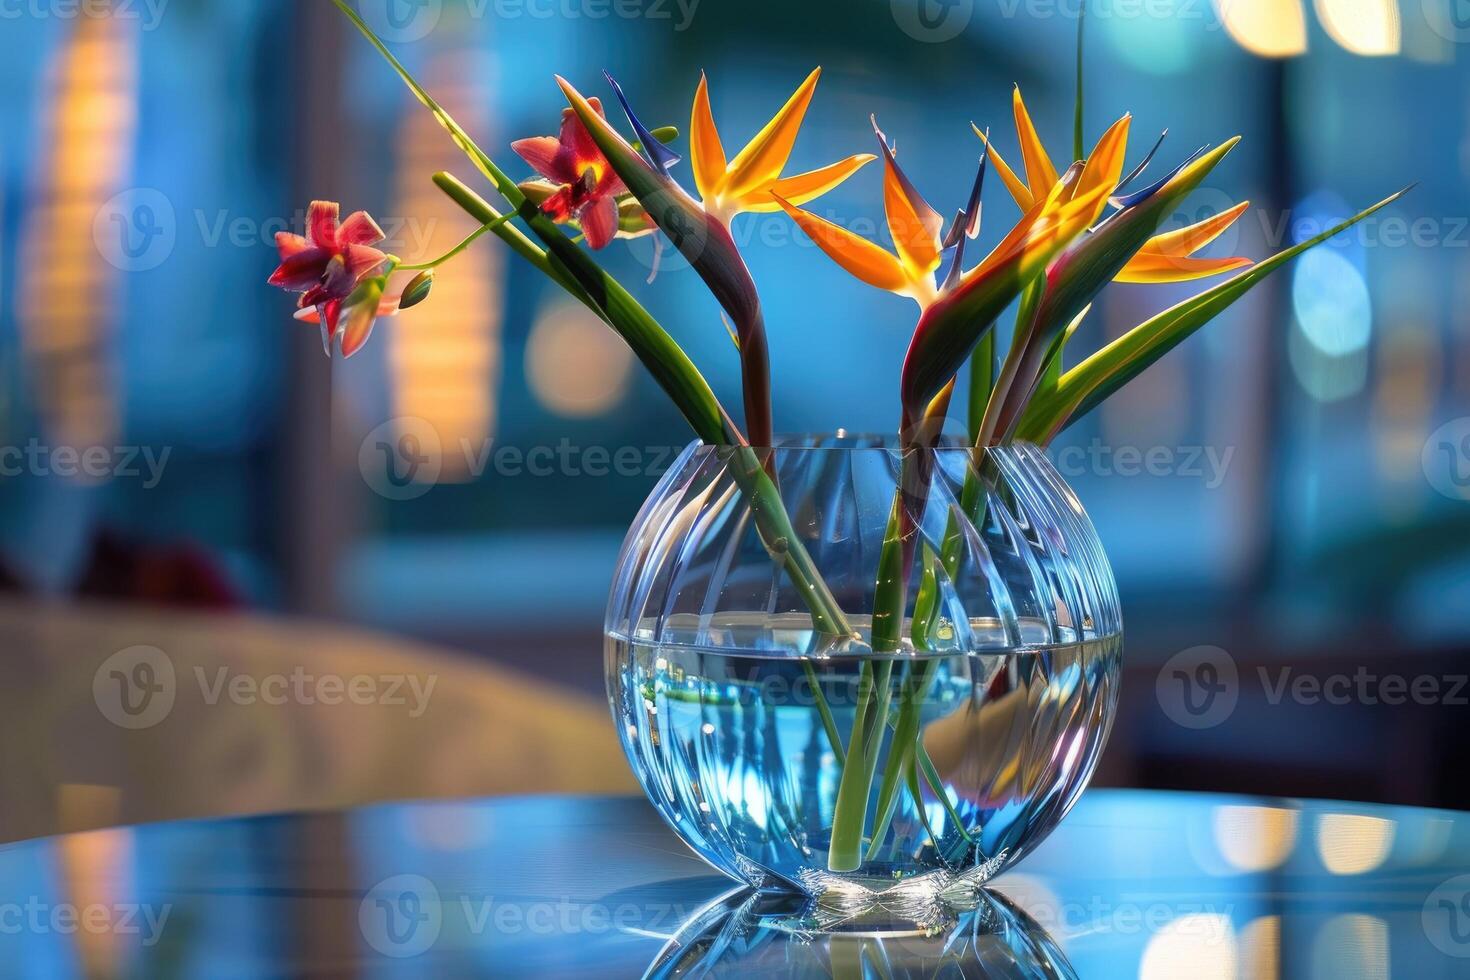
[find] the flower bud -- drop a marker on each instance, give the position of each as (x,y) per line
(417,289)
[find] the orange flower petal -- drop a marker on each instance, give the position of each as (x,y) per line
(1105,163)
(762,159)
(1147,267)
(1040,174)
(1029,229)
(914,225)
(854,253)
(1190,239)
(1014,184)
(801,188)
(706,154)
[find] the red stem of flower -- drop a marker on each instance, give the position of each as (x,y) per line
(755,378)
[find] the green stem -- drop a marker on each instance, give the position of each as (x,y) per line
(477,207)
(982,383)
(571,268)
(1010,368)
(849,817)
(936,786)
(469,240)
(845,851)
(828,722)
(911,779)
(905,735)
(602,294)
(911,705)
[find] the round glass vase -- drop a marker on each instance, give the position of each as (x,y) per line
(843,669)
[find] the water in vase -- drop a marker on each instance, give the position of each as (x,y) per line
(980,753)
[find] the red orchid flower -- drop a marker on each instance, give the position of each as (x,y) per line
(356,317)
(589,187)
(330,263)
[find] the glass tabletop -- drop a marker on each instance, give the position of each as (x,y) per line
(1133,884)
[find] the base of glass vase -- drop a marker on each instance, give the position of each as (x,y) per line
(918,905)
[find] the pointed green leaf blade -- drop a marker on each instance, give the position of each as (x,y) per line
(1091,382)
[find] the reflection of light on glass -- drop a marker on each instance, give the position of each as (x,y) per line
(451,826)
(1331,302)
(1200,947)
(1254,838)
(97,869)
(1351,946)
(1040,902)
(1353,843)
(1270,28)
(1260,948)
(745,795)
(444,355)
(1425,838)
(575,365)
(1368,27)
(67,294)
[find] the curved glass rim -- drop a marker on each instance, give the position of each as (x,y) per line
(849,442)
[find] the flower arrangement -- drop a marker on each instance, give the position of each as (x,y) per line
(1079,228)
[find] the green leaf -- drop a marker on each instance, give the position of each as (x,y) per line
(462,139)
(1090,263)
(1051,374)
(982,382)
(1076,277)
(652,345)
(953,325)
(1088,384)
(703,240)
(706,243)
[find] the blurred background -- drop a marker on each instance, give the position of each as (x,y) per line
(185,472)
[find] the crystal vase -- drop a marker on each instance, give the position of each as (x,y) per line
(839,668)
